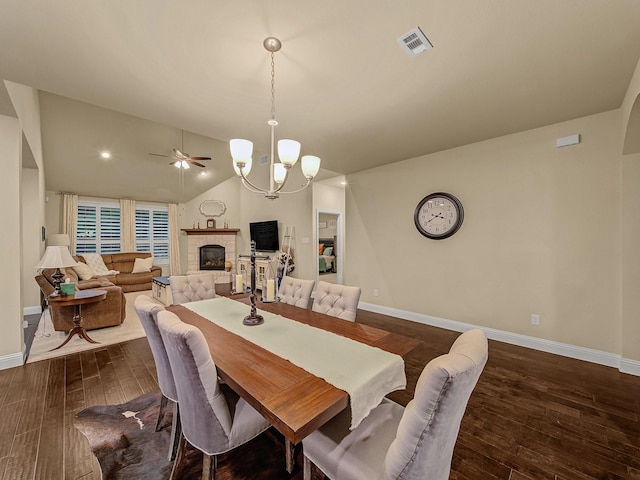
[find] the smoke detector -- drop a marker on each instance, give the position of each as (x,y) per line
(414,42)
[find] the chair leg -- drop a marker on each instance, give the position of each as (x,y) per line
(209,465)
(163,405)
(176,432)
(289,451)
(306,468)
(179,457)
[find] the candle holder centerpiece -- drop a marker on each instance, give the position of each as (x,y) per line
(253,318)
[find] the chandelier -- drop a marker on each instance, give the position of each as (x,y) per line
(288,150)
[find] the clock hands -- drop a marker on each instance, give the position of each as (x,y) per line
(439,215)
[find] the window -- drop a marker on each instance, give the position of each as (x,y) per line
(98,228)
(152,232)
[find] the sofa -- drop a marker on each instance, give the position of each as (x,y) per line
(111,311)
(123,263)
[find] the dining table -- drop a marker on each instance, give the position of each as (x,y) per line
(295,401)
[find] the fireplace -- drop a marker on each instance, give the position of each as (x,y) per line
(212,257)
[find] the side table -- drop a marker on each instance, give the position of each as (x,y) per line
(161,290)
(79,298)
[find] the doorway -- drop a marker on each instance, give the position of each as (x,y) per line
(330,246)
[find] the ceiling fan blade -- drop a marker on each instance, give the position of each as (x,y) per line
(174,163)
(196,163)
(180,155)
(160,155)
(200,158)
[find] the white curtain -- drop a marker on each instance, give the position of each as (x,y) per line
(70,218)
(127,225)
(174,242)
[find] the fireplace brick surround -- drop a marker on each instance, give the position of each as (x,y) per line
(199,237)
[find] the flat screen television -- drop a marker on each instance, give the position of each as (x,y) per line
(265,234)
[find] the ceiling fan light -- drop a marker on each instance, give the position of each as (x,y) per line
(288,151)
(185,165)
(279,173)
(310,165)
(246,169)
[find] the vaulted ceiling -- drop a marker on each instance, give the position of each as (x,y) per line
(344,87)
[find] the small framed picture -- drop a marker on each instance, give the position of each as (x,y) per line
(322,224)
(211,223)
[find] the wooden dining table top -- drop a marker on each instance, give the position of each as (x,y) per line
(294,401)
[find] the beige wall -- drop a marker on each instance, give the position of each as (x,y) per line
(541,234)
(189,213)
(630,256)
(22,192)
(244,207)
(10,215)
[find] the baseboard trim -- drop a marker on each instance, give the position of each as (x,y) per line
(32,310)
(566,350)
(12,360)
(631,367)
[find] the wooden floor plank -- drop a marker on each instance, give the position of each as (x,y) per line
(51,452)
(532,416)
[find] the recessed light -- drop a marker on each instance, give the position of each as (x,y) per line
(203,173)
(343,182)
(105,154)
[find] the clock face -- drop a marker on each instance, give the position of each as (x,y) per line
(438,215)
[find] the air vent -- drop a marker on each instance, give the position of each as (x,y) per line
(414,42)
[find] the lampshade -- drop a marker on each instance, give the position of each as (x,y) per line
(58,239)
(310,165)
(241,150)
(279,173)
(288,151)
(56,256)
(245,170)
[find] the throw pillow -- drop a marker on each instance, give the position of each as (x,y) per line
(96,263)
(320,248)
(142,265)
(84,271)
(328,251)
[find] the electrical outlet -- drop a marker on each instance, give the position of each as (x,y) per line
(375,292)
(535,319)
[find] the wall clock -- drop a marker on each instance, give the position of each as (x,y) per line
(438,215)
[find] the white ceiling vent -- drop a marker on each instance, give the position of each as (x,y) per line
(414,42)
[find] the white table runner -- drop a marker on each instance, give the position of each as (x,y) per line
(366,373)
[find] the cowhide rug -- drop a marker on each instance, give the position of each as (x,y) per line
(124,440)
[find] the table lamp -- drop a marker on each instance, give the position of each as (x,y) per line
(57,256)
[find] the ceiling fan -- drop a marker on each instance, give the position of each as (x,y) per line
(183,159)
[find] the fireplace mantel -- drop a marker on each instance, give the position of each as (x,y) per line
(198,237)
(211,231)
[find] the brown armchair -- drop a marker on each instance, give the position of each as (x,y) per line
(107,313)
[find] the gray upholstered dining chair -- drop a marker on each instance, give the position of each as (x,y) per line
(147,310)
(295,291)
(336,300)
(412,443)
(214,419)
(189,288)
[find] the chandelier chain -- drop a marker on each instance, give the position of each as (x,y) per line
(273,86)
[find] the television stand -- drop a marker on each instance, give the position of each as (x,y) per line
(262,267)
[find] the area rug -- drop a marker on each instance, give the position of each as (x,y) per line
(124,440)
(46,338)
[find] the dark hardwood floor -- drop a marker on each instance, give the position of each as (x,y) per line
(533,415)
